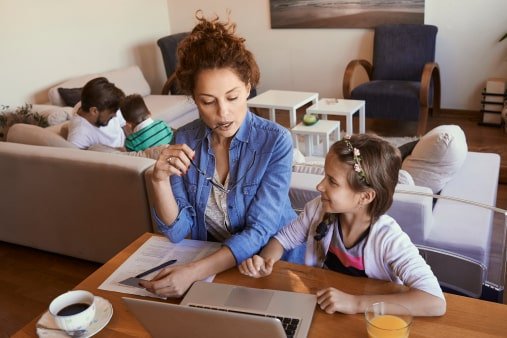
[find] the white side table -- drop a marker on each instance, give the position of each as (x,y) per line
(341,107)
(323,128)
(283,100)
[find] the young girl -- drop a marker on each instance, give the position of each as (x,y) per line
(346,230)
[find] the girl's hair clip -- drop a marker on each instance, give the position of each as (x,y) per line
(358,168)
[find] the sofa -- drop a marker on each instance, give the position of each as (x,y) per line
(80,203)
(458,220)
(74,202)
(175,110)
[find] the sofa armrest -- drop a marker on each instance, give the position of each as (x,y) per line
(67,200)
(412,209)
(37,136)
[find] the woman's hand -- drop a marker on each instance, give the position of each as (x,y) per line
(257,266)
(173,160)
(333,300)
(172,281)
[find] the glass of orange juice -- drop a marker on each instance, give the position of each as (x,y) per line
(387,320)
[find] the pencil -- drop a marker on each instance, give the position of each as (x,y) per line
(158,267)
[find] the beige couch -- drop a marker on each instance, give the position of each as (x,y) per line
(80,203)
(176,110)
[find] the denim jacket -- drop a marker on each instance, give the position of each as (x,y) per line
(260,162)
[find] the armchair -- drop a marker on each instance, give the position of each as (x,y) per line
(168,46)
(404,80)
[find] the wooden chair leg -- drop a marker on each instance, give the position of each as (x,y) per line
(423,121)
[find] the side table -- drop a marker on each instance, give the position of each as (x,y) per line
(283,100)
(323,128)
(341,107)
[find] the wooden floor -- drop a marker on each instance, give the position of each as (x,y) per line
(31,278)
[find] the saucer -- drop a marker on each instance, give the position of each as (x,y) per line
(103,314)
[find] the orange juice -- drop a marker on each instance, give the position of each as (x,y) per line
(387,326)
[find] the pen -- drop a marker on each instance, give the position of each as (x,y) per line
(158,267)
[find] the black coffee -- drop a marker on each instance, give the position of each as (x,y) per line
(73,309)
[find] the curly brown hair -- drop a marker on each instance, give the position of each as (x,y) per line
(381,163)
(213,44)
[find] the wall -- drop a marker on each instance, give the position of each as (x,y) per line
(46,42)
(315,59)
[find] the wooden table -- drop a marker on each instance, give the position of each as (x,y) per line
(465,317)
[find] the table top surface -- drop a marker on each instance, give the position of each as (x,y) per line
(465,317)
(282,99)
(322,126)
(337,106)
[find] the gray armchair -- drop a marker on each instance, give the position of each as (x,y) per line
(404,80)
(168,46)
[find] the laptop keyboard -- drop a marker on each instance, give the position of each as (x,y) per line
(289,324)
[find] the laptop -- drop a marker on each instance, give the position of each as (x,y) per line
(227,311)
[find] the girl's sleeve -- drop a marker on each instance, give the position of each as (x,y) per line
(297,232)
(403,258)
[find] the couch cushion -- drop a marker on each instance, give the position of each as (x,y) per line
(131,80)
(34,135)
(175,110)
(437,157)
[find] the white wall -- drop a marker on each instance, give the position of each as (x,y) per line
(45,42)
(315,59)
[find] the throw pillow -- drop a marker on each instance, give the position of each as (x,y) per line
(437,157)
(54,114)
(70,96)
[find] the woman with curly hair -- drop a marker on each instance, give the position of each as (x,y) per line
(226,177)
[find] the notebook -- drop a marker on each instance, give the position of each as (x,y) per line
(227,311)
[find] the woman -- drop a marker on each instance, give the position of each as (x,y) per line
(229,171)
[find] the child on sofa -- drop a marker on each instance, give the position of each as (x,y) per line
(346,230)
(146,132)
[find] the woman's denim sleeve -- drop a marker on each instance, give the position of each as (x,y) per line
(271,208)
(182,225)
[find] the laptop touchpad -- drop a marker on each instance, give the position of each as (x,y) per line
(254,299)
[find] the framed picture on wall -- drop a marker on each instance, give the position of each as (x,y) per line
(344,13)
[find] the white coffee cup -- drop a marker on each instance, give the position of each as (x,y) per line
(73,310)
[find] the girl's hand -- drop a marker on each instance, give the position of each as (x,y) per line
(257,266)
(332,300)
(173,160)
(172,281)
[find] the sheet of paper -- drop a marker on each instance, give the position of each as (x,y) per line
(153,252)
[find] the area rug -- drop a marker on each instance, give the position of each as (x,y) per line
(399,141)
